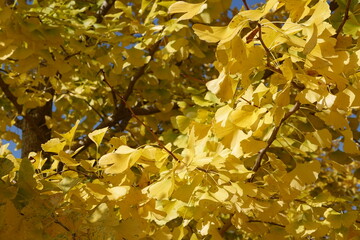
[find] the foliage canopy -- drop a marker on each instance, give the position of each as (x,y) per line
(180,119)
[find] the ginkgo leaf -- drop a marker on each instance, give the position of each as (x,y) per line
(189,9)
(311,41)
(66,159)
(223,87)
(223,34)
(97,135)
(255,15)
(252,146)
(54,145)
(69,136)
(161,189)
(321,137)
(119,161)
(246,116)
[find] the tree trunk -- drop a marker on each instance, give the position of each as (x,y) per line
(34,129)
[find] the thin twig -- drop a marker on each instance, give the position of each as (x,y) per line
(272,138)
(62,225)
(268,53)
(5,88)
(346,17)
(192,78)
(71,55)
(246,5)
(94,109)
(4,71)
(248,102)
(271,223)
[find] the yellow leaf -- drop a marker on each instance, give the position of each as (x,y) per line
(312,34)
(97,135)
(223,34)
(54,145)
(283,98)
(161,189)
(321,137)
(69,136)
(98,188)
(118,192)
(303,174)
(119,161)
(223,87)
(190,9)
(66,159)
(252,146)
(349,144)
(182,123)
(136,57)
(255,15)
(246,116)
(298,9)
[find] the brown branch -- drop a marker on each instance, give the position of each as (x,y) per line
(271,223)
(192,78)
(95,110)
(145,110)
(148,110)
(246,5)
(66,228)
(248,102)
(121,113)
(146,126)
(227,225)
(104,9)
(113,94)
(346,17)
(268,53)
(71,55)
(272,138)
(140,72)
(5,88)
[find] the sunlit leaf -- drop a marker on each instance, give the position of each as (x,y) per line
(97,135)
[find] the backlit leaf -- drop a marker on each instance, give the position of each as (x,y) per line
(97,135)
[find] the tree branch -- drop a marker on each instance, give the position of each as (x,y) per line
(5,88)
(271,223)
(104,9)
(268,53)
(246,5)
(148,110)
(140,72)
(227,225)
(346,17)
(19,108)
(161,145)
(122,113)
(272,138)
